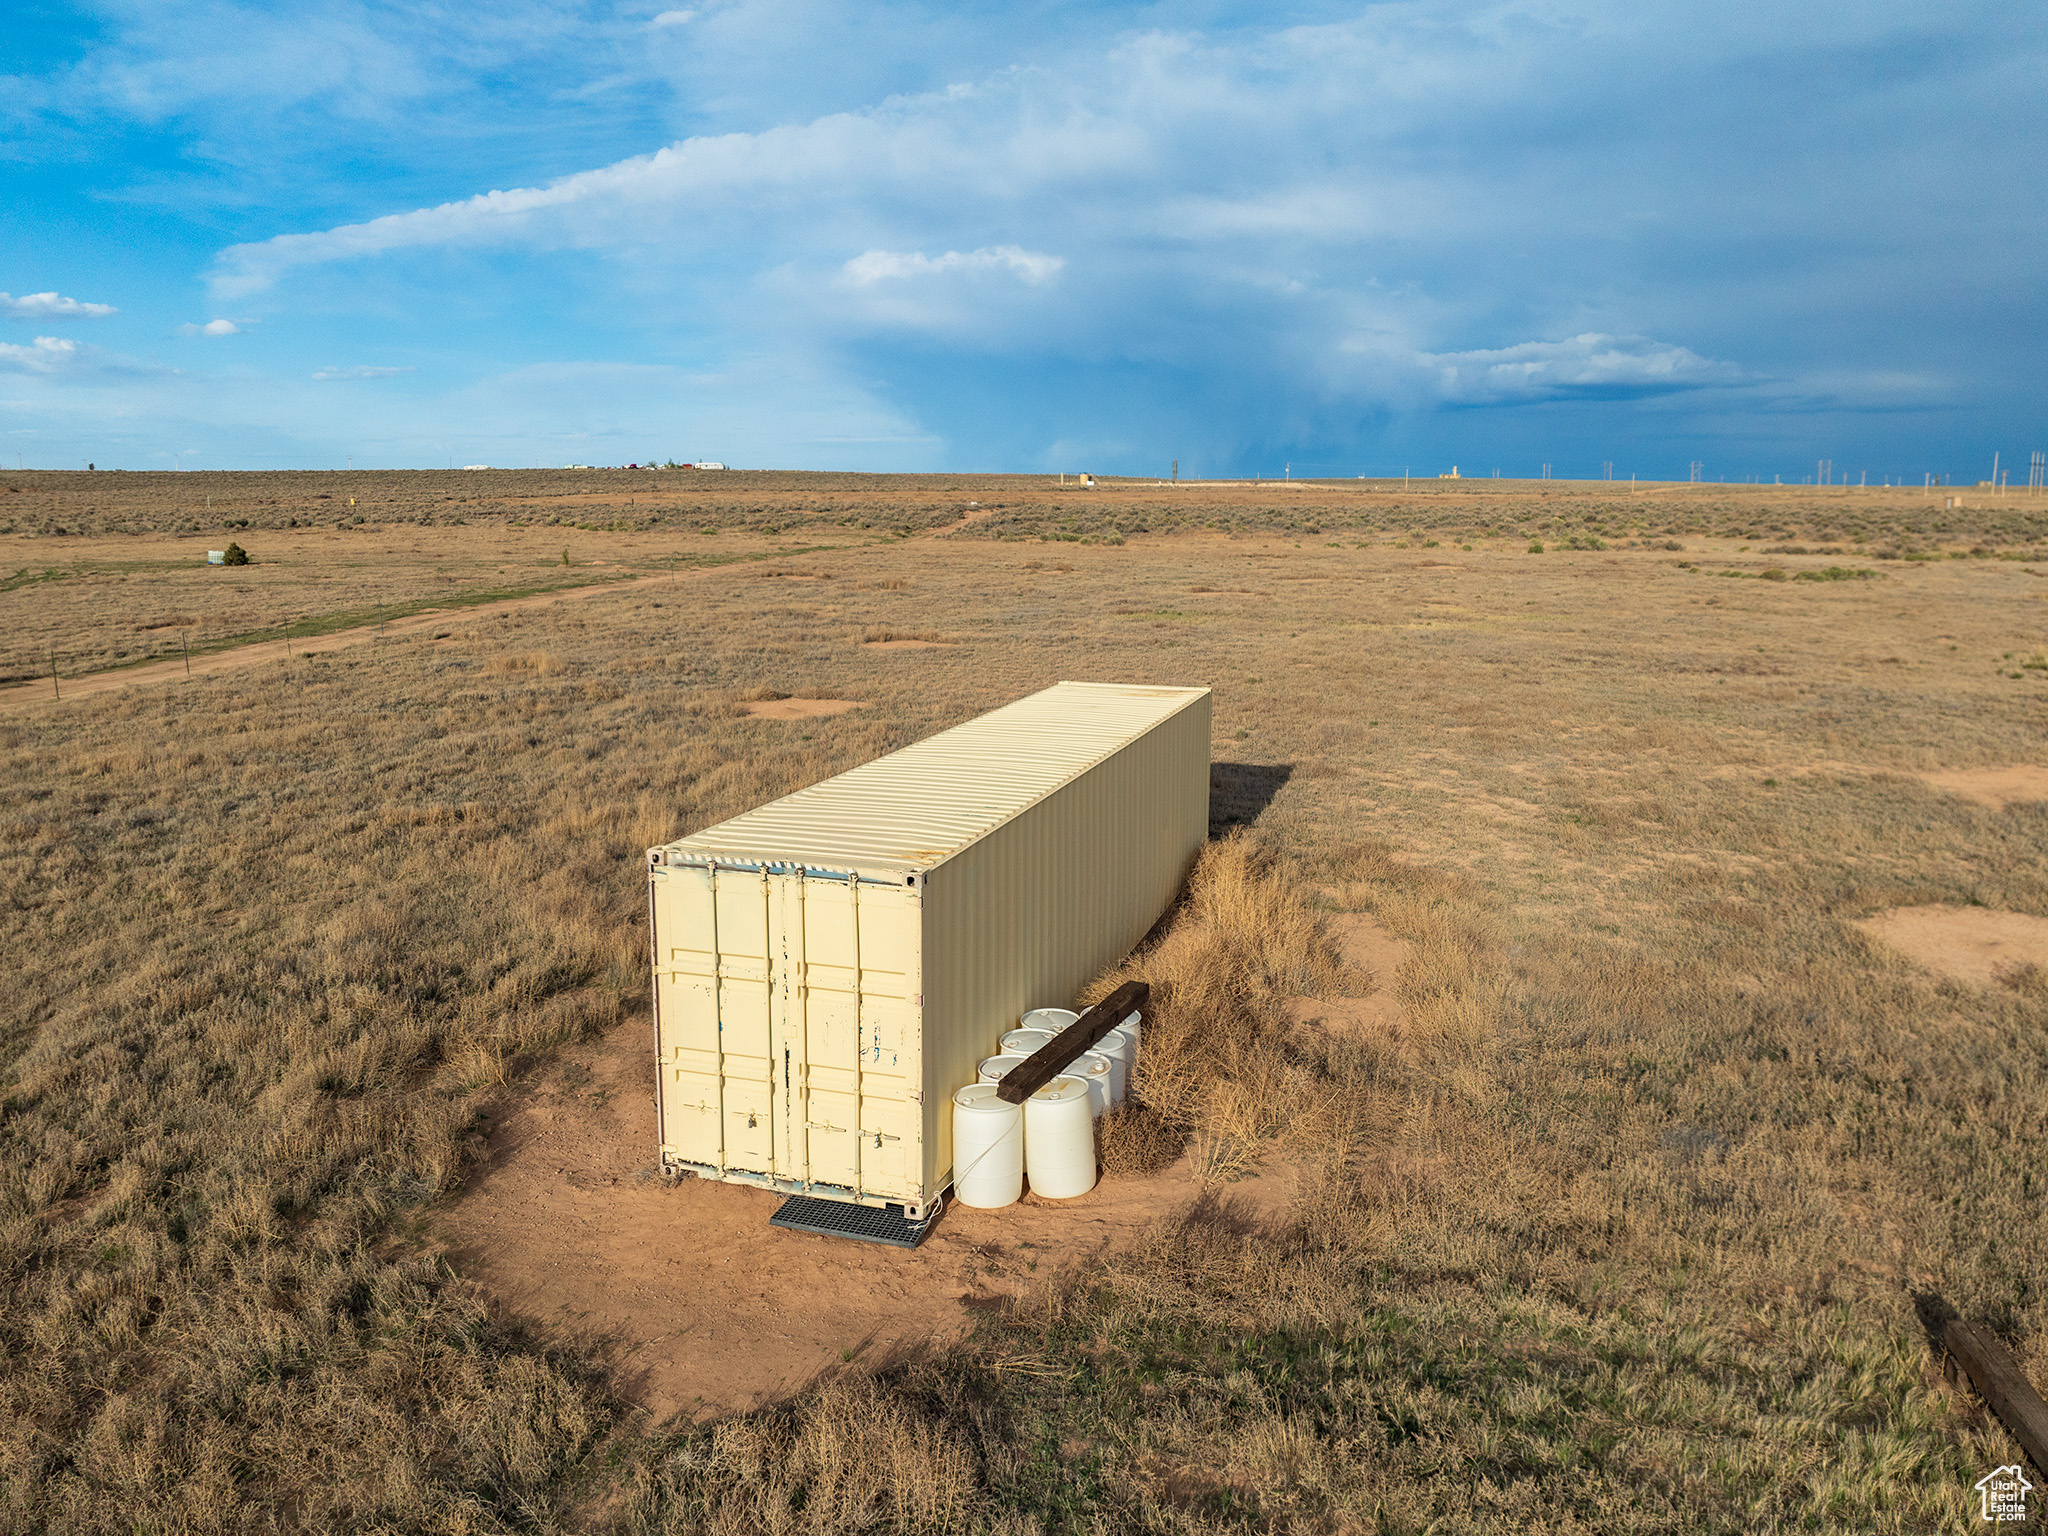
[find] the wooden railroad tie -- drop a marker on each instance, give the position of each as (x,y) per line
(1991,1369)
(1058,1053)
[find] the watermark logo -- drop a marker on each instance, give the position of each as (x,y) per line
(2004,1492)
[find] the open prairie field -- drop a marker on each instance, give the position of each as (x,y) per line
(1607,1031)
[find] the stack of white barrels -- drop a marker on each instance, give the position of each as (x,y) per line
(1050,1137)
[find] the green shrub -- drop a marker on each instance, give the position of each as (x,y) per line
(236,555)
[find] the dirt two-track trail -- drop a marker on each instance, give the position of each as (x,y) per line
(67,689)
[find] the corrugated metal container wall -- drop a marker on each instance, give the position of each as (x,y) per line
(830,967)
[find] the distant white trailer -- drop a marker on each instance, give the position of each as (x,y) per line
(709,464)
(476,466)
(216,557)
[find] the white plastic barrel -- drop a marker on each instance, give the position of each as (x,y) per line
(1022,1042)
(1120,1052)
(1128,1031)
(1059,1138)
(988,1148)
(1099,1073)
(1053,1019)
(992,1069)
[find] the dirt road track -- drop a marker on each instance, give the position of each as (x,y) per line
(23,695)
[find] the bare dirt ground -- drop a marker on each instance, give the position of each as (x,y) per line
(798,709)
(705,1307)
(1378,956)
(1974,944)
(2021,784)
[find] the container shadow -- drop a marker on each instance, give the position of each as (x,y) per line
(1240,792)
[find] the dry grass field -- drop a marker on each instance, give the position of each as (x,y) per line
(1632,1216)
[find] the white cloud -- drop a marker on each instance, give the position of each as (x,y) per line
(362,373)
(742,185)
(52,306)
(1591,366)
(871,267)
(211,328)
(672,18)
(48,354)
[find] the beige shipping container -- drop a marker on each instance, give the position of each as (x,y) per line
(828,969)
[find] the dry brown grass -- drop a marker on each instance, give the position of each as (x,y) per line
(1624,1231)
(88,603)
(1217,1064)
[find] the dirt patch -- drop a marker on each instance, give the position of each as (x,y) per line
(1998,788)
(798,709)
(1377,955)
(706,1308)
(908,645)
(1976,944)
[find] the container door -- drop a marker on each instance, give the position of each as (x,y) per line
(711,976)
(890,1127)
(746,1061)
(860,1120)
(686,1003)
(784,1011)
(832,1031)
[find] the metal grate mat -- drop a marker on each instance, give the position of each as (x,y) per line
(862,1223)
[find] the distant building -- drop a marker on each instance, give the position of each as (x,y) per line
(1452,475)
(476,466)
(706,464)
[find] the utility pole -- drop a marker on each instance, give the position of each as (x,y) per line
(1176,471)
(1696,471)
(1607,469)
(2037,471)
(1546,471)
(1994,473)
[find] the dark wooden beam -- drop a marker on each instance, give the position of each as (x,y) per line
(2000,1382)
(1058,1053)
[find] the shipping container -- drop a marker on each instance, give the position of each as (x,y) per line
(828,969)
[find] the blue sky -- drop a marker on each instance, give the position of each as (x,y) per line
(806,234)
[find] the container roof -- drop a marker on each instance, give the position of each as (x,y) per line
(918,807)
